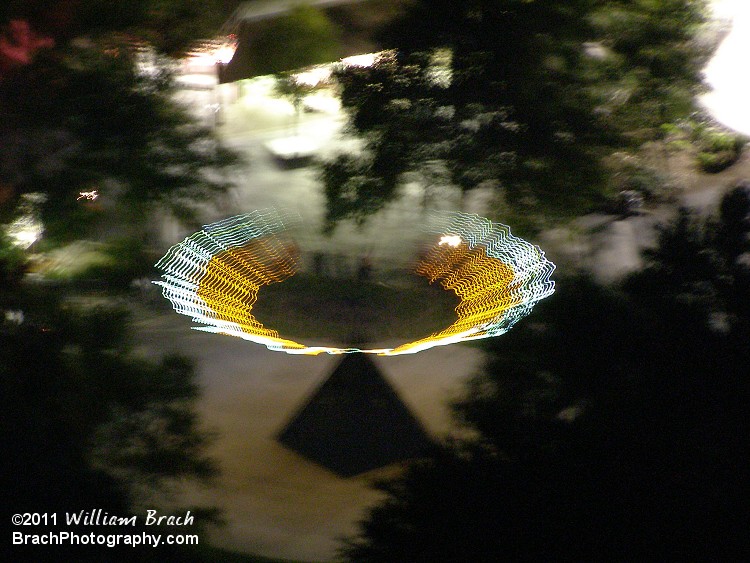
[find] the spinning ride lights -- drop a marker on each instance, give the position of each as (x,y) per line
(214,276)
(497,276)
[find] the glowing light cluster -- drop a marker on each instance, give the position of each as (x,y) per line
(28,227)
(214,51)
(215,274)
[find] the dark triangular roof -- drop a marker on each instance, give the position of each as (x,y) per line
(355,422)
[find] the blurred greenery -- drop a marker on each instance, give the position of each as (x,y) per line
(86,116)
(530,110)
(718,149)
(12,262)
(171,26)
(89,423)
(122,261)
(90,121)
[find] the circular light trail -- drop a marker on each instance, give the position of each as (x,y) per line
(215,275)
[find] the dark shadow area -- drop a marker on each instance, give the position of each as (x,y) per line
(330,306)
(293,162)
(355,422)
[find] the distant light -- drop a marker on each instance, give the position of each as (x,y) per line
(323,102)
(28,228)
(314,76)
(202,59)
(197,81)
(25,231)
(361,60)
(215,51)
(225,53)
(91,196)
(293,147)
(14,316)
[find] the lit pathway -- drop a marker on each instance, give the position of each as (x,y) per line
(276,503)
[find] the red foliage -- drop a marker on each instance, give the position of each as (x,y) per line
(18,43)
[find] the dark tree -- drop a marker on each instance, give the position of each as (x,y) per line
(86,420)
(704,265)
(608,427)
(85,116)
(87,424)
(170,26)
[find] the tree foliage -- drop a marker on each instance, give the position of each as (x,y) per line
(525,95)
(89,423)
(704,265)
(609,425)
(170,26)
(655,61)
(85,116)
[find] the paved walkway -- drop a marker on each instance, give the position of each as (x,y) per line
(275,502)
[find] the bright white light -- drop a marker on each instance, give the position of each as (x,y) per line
(216,51)
(729,100)
(197,81)
(293,147)
(361,60)
(202,59)
(726,9)
(323,102)
(224,53)
(90,196)
(27,229)
(450,240)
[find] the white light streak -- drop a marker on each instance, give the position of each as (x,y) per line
(365,60)
(214,276)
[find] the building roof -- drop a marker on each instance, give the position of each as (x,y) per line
(268,9)
(357,22)
(355,422)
